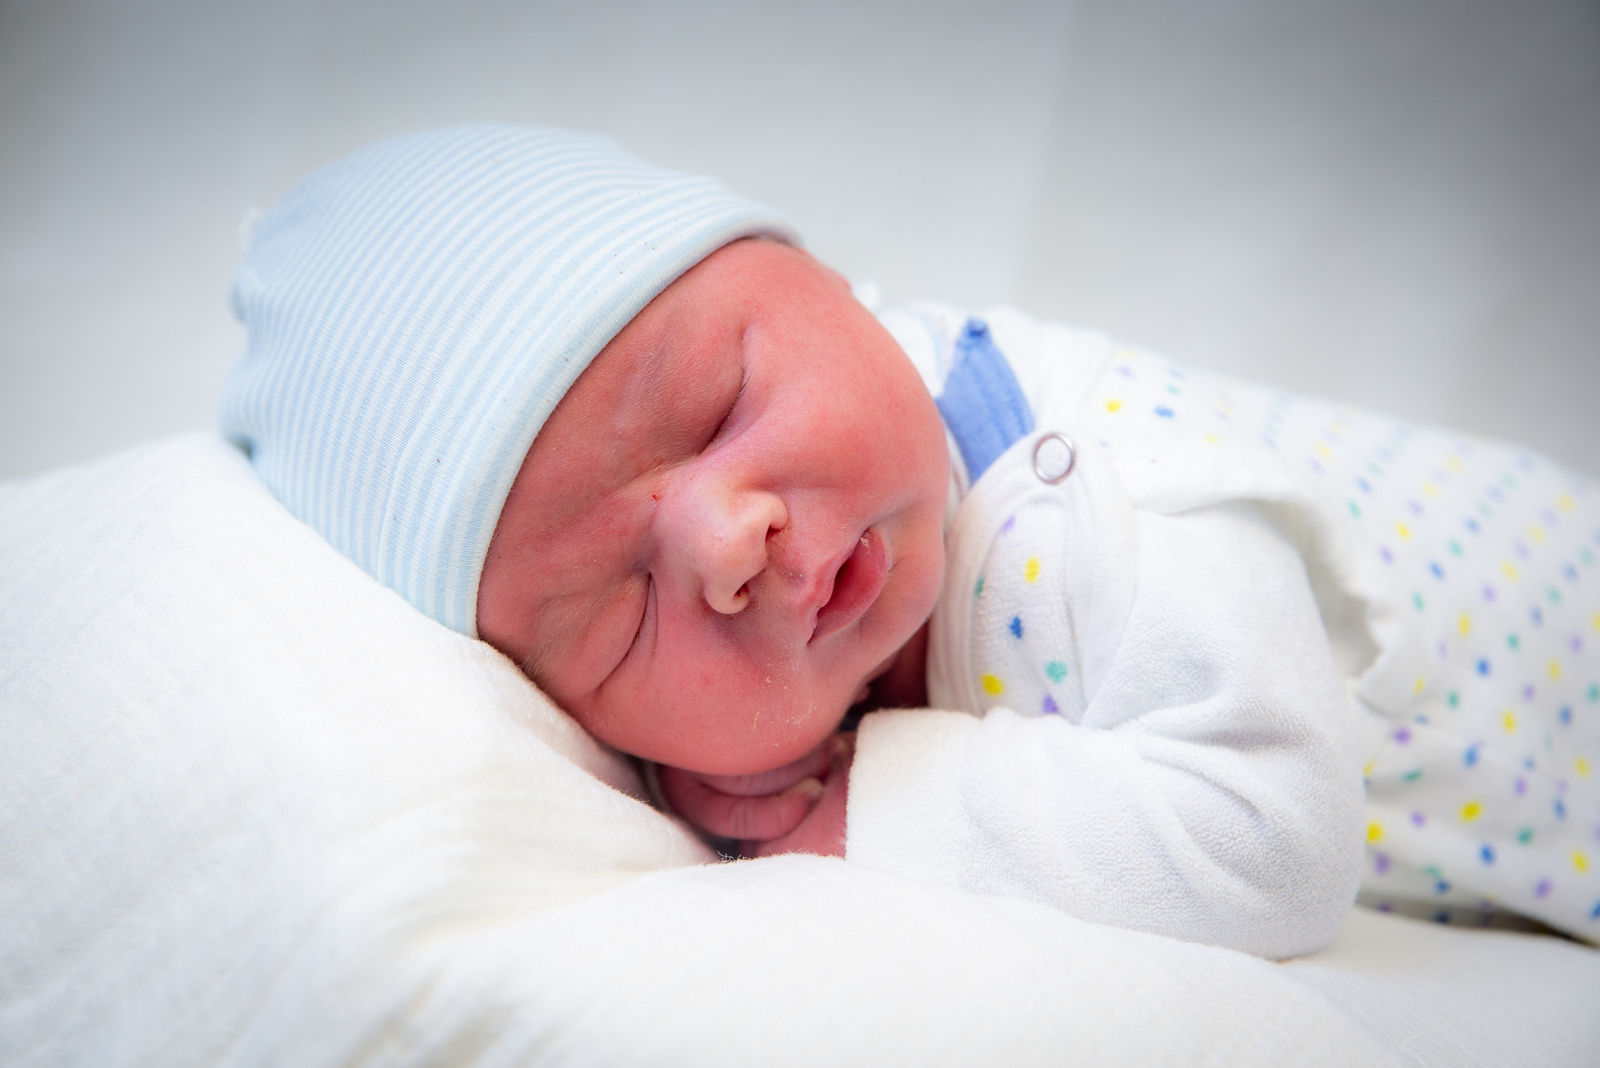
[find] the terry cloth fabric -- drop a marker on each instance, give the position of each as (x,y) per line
(417,310)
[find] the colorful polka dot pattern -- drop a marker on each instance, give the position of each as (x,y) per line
(1483,792)
(1022,632)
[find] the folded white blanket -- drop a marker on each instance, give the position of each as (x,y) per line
(255,809)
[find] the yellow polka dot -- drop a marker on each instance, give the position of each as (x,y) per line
(1536,532)
(1508,720)
(1431,490)
(1466,624)
(1580,860)
(1566,503)
(1595,619)
(1113,405)
(1581,766)
(1211,439)
(1366,772)
(1403,530)
(1374,832)
(1422,684)
(1555,670)
(1323,451)
(1471,810)
(1510,570)
(993,686)
(1455,463)
(1030,569)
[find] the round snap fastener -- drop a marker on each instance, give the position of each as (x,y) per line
(1053,458)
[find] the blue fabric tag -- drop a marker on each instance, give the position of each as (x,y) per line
(982,404)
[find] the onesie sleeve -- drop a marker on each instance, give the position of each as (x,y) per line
(1207,789)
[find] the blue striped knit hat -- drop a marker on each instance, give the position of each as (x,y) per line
(415,312)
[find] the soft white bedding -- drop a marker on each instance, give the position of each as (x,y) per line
(255,808)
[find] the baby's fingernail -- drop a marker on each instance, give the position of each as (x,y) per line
(810,789)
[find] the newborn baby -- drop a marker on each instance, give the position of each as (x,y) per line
(612,420)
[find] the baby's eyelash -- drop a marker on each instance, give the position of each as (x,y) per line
(733,406)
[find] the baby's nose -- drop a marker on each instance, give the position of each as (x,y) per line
(733,548)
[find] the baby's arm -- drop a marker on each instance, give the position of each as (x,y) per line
(1210,790)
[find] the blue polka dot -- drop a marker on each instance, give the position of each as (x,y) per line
(1483,665)
(1560,808)
(1487,854)
(1470,757)
(1016,626)
(1565,715)
(1164,412)
(1438,572)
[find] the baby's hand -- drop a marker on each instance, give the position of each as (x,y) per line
(798,808)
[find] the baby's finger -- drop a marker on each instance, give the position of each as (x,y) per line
(732,816)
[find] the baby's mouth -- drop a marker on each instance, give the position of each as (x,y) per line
(856,585)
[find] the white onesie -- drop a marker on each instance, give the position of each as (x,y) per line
(1187,647)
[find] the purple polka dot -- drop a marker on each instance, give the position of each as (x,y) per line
(1006,527)
(1388,557)
(1576,644)
(1419,818)
(1528,691)
(1521,786)
(1415,506)
(1543,889)
(1380,863)
(1403,735)
(1488,593)
(1050,705)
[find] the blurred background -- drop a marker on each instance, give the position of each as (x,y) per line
(1390,202)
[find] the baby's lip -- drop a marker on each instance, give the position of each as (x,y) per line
(858,578)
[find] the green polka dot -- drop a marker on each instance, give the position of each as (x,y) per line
(1594,691)
(1418,602)
(1525,835)
(1455,546)
(1512,641)
(1056,670)
(1454,699)
(1554,595)
(1355,509)
(977,591)
(1412,775)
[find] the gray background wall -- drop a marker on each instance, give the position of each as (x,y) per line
(1393,202)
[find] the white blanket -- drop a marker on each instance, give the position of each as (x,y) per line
(254,808)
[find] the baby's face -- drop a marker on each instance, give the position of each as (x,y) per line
(730,524)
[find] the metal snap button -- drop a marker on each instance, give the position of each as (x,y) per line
(1053,458)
